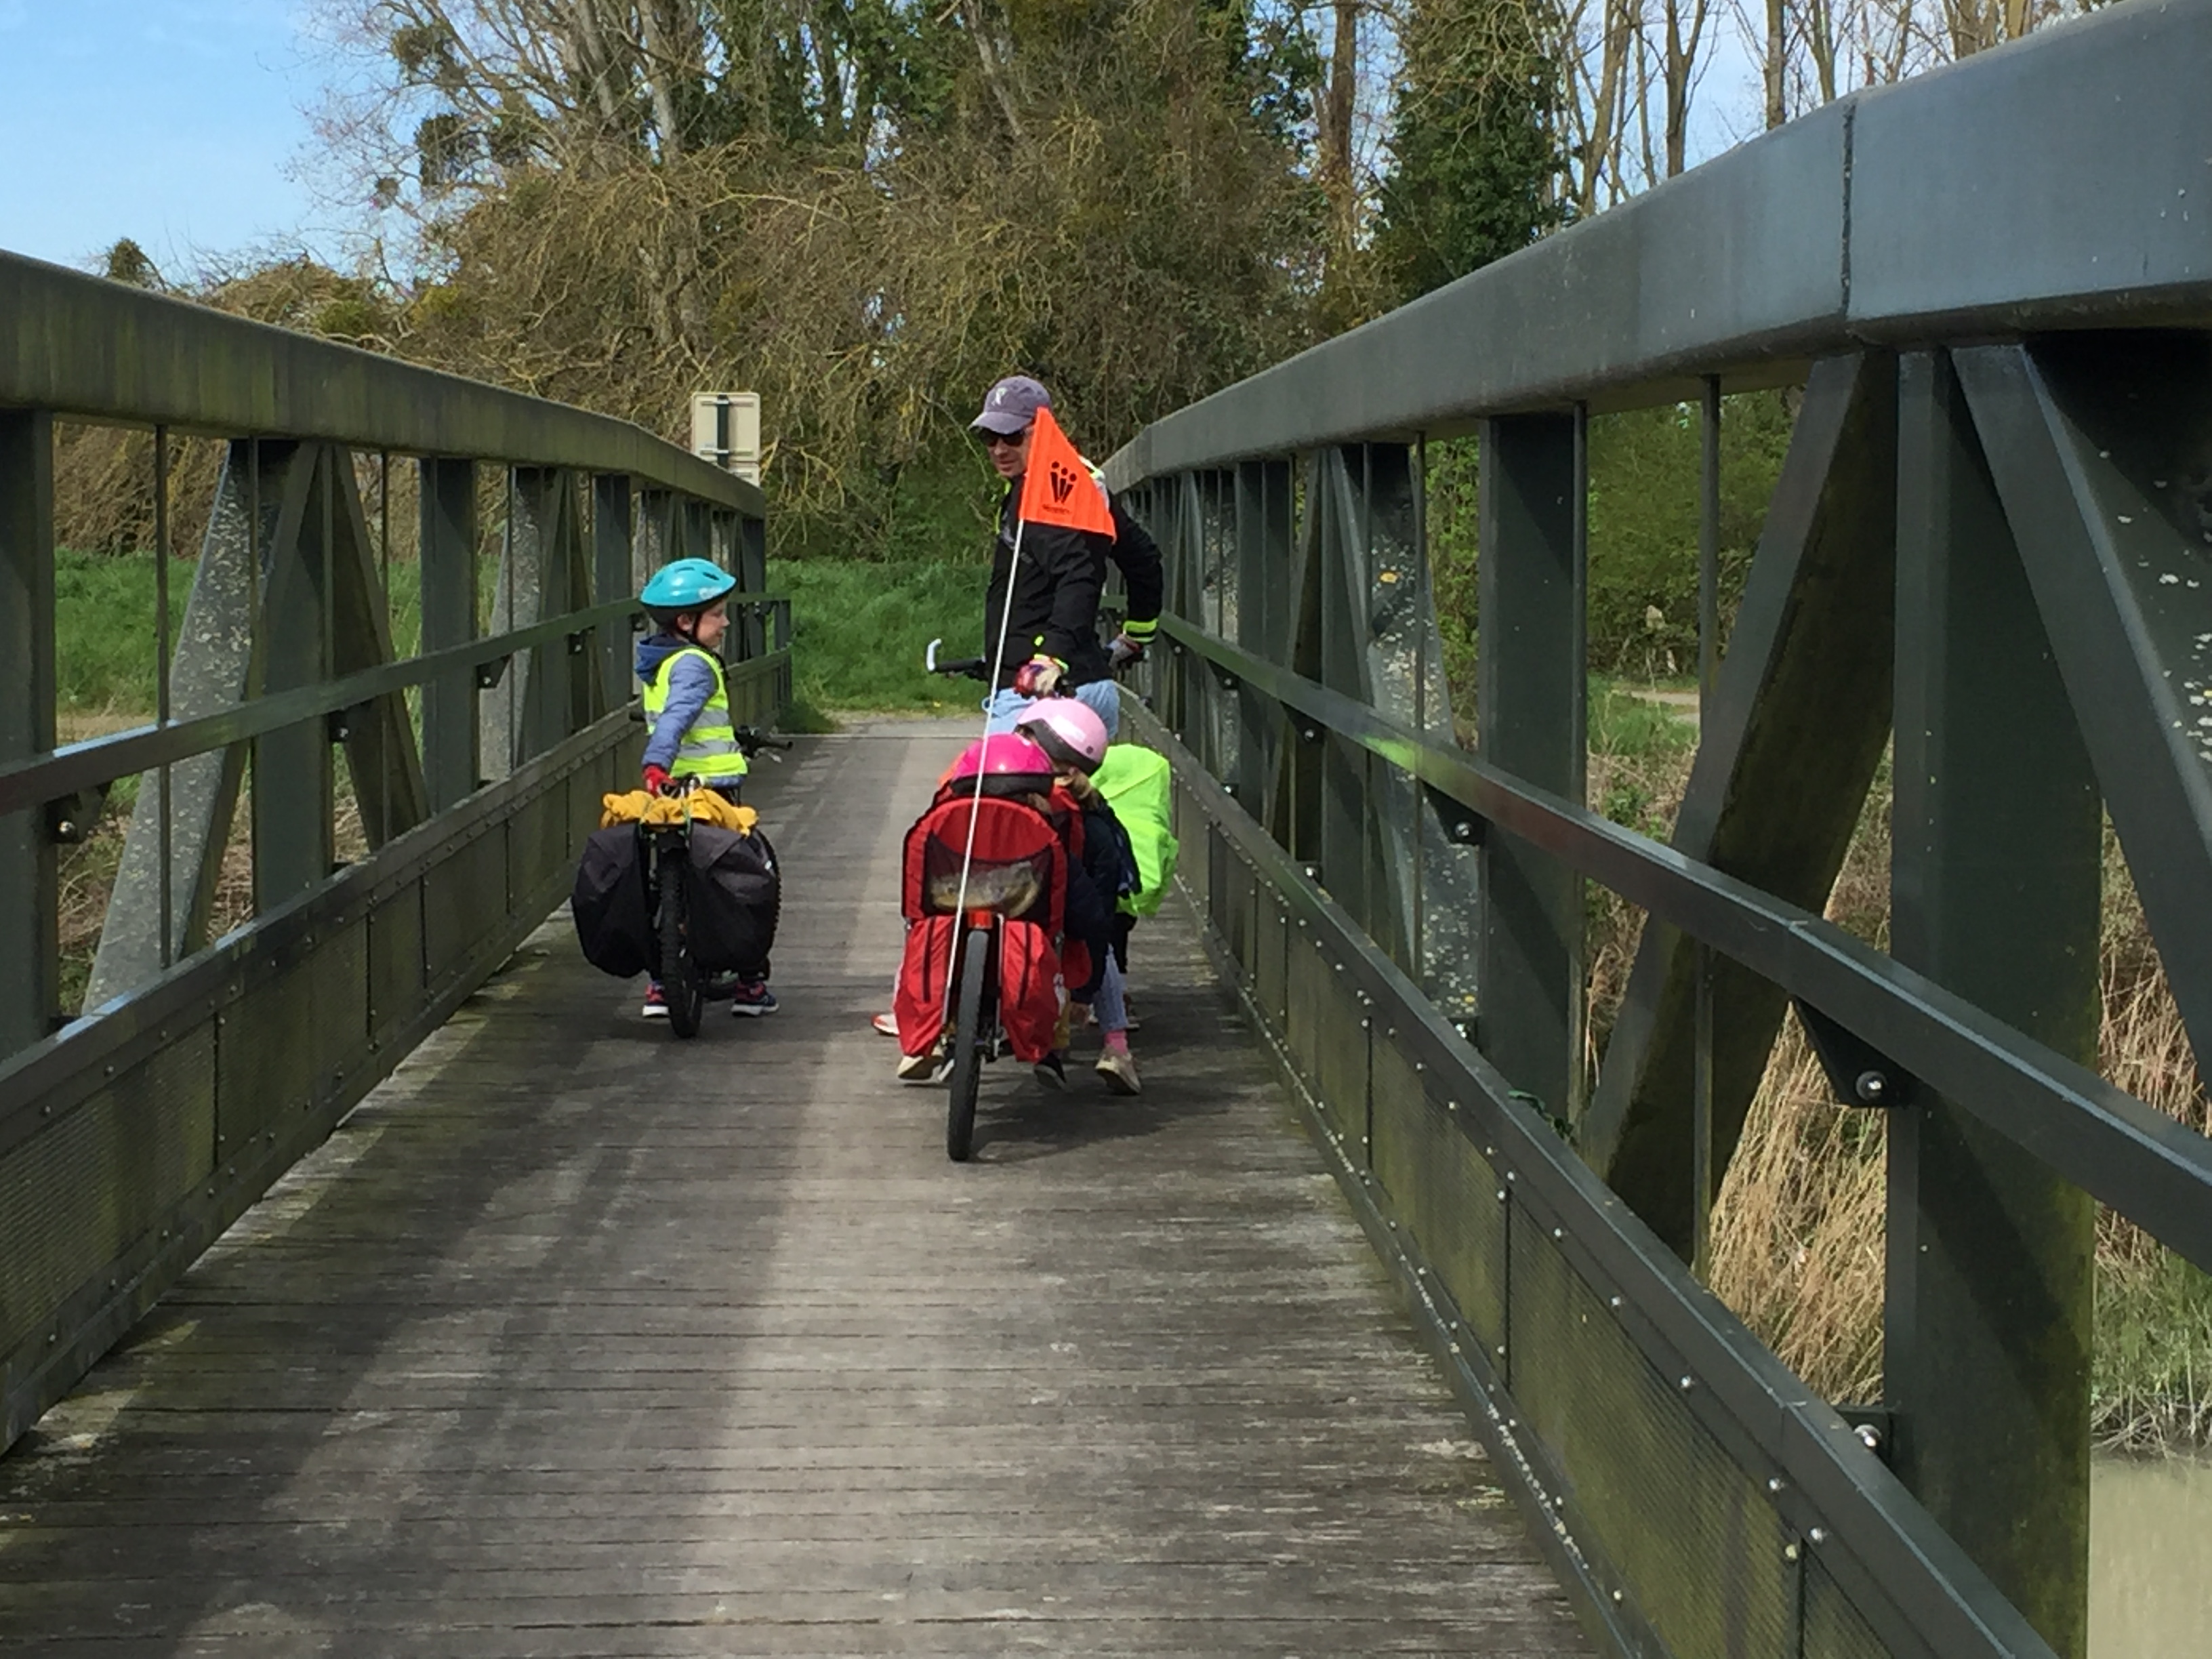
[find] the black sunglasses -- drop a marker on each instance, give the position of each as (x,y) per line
(1006,440)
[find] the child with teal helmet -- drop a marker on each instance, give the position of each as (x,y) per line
(689,734)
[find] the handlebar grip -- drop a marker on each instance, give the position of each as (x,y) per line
(751,739)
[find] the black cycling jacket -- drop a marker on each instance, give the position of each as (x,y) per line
(1056,590)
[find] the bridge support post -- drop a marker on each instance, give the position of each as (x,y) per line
(658,540)
(450,759)
(381,756)
(514,712)
(1531,697)
(29,903)
(1266,615)
(1341,509)
(293,844)
(613,534)
(1995,892)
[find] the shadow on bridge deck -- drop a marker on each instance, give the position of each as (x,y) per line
(575,1340)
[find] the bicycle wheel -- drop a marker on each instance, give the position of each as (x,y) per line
(680,981)
(968,1043)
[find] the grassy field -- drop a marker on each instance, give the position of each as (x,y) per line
(859,632)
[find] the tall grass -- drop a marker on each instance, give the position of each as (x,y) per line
(1798,1228)
(859,631)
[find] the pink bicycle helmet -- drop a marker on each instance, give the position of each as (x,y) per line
(1068,730)
(1010,764)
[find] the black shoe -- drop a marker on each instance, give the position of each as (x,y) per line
(1052,1072)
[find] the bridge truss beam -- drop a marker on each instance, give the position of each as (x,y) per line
(1987,543)
(134,1128)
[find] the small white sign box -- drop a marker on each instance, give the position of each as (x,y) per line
(725,429)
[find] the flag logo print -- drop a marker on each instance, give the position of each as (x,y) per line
(1057,488)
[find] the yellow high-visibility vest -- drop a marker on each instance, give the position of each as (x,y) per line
(710,748)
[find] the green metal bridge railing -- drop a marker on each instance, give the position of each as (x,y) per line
(132,1134)
(1991,544)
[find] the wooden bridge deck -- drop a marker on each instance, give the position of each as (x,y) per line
(574,1340)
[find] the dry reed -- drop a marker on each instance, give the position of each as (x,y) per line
(1798,1228)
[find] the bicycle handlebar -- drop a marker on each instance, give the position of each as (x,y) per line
(752,740)
(974,668)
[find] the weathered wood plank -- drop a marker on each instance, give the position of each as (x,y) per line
(574,1340)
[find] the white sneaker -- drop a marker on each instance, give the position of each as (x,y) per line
(922,1070)
(1118,1071)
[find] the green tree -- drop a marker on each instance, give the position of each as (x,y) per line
(865,210)
(1475,142)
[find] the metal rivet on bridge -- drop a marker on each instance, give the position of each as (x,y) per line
(1501,1354)
(1818,1535)
(1509,1176)
(1559,1232)
(1613,1302)
(1774,1483)
(1789,1551)
(1616,1595)
(1501,1195)
(1687,1383)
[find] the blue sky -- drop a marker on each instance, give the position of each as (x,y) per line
(185,125)
(179,123)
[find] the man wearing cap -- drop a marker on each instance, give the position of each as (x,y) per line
(1055,592)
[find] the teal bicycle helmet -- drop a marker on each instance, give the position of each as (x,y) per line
(686,585)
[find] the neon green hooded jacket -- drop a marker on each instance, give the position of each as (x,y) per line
(1138,787)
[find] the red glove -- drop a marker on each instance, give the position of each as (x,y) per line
(656,780)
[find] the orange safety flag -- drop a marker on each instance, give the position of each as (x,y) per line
(1057,488)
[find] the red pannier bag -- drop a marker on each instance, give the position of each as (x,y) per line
(1020,872)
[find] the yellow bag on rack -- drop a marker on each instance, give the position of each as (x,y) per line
(700,806)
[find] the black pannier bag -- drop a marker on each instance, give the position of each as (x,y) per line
(612,910)
(733,898)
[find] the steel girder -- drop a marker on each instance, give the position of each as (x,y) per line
(2056,183)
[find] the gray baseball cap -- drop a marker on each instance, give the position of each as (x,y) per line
(1011,405)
